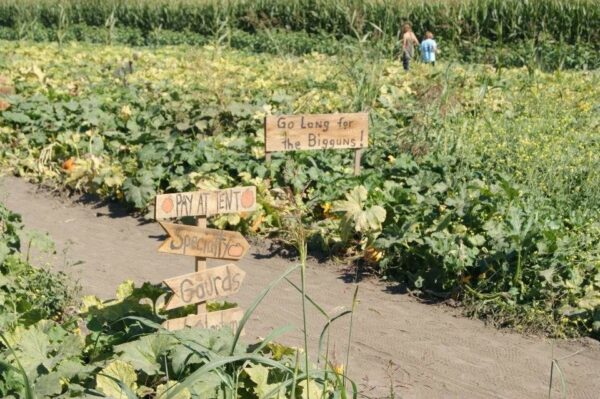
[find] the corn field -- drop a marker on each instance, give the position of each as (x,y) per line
(505,21)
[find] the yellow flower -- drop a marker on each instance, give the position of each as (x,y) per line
(327,208)
(584,106)
(125,112)
(373,255)
(338,368)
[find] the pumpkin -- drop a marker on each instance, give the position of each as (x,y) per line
(6,86)
(68,164)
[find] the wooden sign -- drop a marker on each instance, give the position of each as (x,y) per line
(316,132)
(203,286)
(204,203)
(206,243)
(229,317)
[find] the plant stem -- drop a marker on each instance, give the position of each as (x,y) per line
(518,271)
(354,302)
(302,247)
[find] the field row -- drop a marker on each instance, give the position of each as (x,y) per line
(497,20)
(478,183)
(549,54)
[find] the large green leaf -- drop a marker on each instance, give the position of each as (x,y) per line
(17,117)
(162,391)
(49,384)
(354,207)
(311,388)
(117,370)
(147,353)
(139,193)
(33,348)
(259,374)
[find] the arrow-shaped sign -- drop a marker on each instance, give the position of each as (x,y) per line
(204,286)
(229,317)
(205,243)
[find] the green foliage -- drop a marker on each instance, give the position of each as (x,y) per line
(27,294)
(454,199)
(10,225)
(118,349)
(467,20)
(448,231)
(358,217)
(489,177)
(550,34)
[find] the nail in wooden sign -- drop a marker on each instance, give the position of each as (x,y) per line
(203,203)
(316,132)
(206,243)
(222,318)
(203,286)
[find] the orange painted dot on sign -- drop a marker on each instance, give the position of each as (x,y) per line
(248,199)
(235,251)
(167,205)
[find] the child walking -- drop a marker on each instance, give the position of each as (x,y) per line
(429,49)
(409,41)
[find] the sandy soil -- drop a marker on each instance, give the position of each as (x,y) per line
(399,343)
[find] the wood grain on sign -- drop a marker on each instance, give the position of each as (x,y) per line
(222,318)
(204,286)
(316,132)
(201,263)
(207,243)
(204,203)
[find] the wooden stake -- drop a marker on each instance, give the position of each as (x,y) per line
(357,156)
(268,162)
(201,264)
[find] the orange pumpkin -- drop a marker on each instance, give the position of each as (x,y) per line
(6,86)
(7,90)
(68,164)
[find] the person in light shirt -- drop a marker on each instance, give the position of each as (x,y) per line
(429,49)
(409,41)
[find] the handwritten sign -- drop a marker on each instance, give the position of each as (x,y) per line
(316,132)
(206,243)
(229,317)
(203,203)
(203,286)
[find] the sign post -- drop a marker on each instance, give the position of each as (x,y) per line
(202,243)
(201,264)
(317,132)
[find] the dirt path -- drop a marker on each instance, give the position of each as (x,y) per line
(423,351)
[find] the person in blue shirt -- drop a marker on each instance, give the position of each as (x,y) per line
(429,49)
